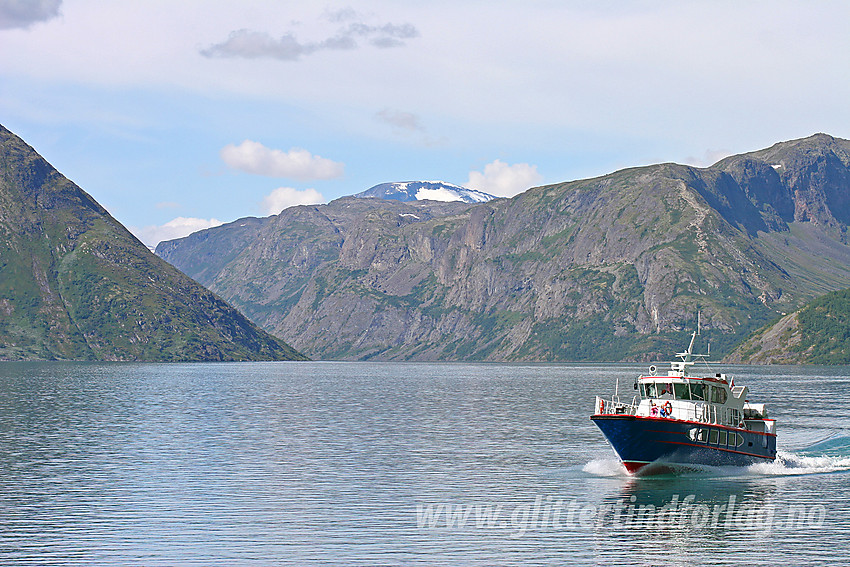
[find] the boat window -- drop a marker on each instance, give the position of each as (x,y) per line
(682,392)
(650,390)
(713,437)
(736,441)
(693,433)
(721,439)
(736,417)
(703,435)
(697,391)
(718,395)
(665,390)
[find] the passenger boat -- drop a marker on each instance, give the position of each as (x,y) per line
(677,421)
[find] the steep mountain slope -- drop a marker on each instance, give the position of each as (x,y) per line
(610,268)
(76,285)
(422,190)
(819,333)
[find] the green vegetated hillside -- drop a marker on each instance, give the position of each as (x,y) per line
(611,268)
(76,285)
(819,333)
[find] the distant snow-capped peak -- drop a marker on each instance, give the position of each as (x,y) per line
(421,190)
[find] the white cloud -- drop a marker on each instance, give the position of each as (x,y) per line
(400,119)
(341,15)
(566,61)
(383,36)
(24,13)
(503,180)
(254,157)
(586,87)
(249,44)
(176,228)
(710,157)
(254,45)
(285,197)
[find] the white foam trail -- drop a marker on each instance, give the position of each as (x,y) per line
(786,464)
(605,467)
(789,464)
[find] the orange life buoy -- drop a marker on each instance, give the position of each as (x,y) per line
(668,408)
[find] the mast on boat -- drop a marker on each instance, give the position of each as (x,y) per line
(688,356)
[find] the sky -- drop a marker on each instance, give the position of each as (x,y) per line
(177,116)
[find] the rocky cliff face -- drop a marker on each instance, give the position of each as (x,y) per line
(612,268)
(76,285)
(775,344)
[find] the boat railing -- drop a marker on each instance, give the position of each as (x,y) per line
(615,406)
(710,413)
(715,415)
(700,412)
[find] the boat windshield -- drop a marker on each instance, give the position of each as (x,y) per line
(659,390)
(696,391)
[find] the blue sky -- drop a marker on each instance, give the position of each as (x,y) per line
(178,115)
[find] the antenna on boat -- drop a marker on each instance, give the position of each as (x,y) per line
(690,350)
(688,356)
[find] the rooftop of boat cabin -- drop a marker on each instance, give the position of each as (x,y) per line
(718,377)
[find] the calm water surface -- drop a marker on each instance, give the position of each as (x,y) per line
(394,464)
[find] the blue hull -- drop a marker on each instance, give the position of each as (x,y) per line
(639,441)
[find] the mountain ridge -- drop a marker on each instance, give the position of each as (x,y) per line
(610,268)
(76,285)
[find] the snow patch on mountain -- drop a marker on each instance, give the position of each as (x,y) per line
(425,190)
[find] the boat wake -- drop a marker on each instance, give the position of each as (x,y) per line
(835,445)
(830,455)
(794,464)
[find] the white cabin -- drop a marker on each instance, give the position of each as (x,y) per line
(704,399)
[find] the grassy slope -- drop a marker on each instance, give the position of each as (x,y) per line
(819,333)
(75,284)
(824,327)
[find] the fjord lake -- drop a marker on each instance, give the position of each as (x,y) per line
(332,463)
